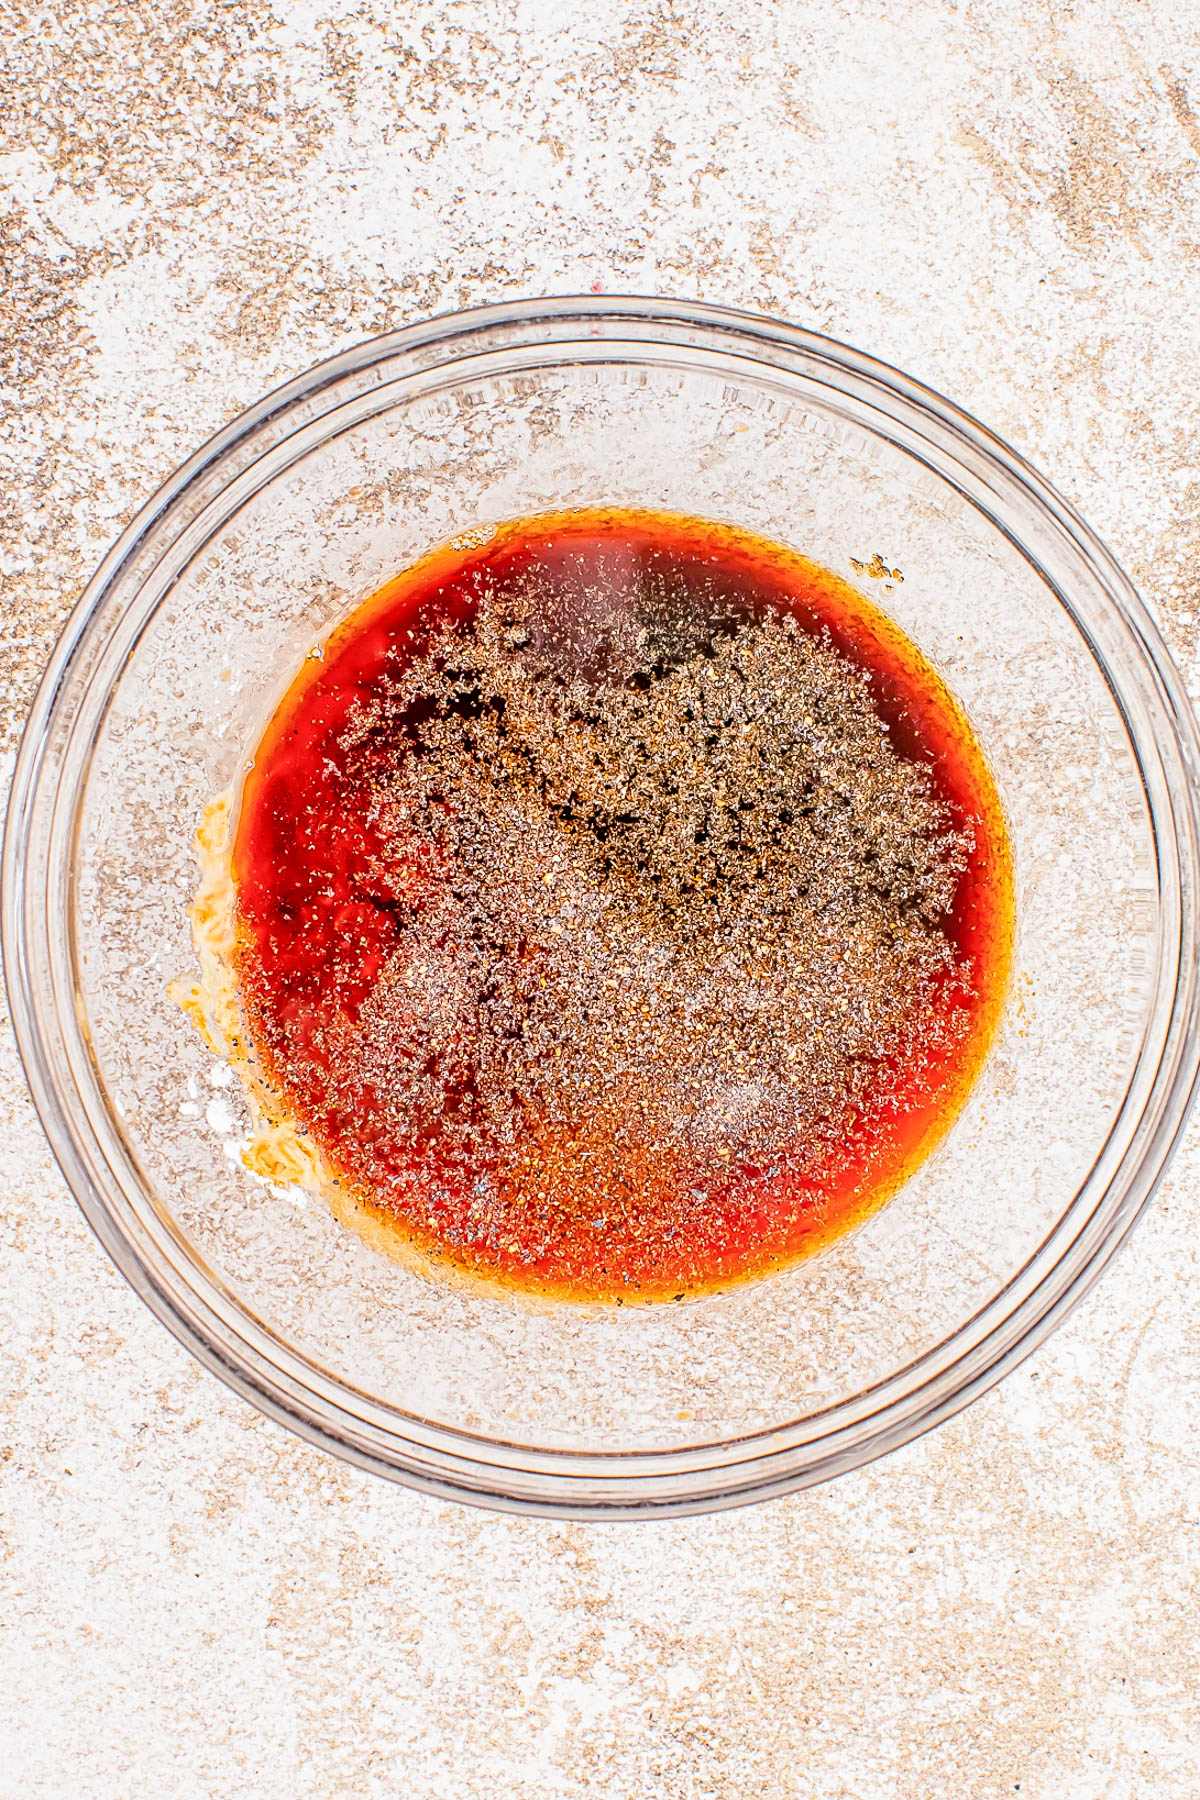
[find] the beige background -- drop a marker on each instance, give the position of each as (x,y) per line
(203,197)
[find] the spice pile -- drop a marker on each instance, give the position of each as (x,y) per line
(667,911)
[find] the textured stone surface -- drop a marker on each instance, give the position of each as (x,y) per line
(200,199)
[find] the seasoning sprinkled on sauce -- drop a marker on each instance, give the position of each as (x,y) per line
(623,906)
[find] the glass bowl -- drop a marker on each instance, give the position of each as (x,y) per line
(188,633)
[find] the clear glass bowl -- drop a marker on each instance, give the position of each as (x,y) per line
(197,619)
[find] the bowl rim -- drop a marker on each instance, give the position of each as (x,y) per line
(466,1466)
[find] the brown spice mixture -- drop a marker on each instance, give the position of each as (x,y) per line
(666,893)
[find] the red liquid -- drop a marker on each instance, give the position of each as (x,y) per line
(318,934)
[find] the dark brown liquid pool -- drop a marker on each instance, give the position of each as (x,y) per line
(624,905)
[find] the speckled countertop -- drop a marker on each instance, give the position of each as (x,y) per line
(201,198)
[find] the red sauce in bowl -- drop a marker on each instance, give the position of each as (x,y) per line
(566,931)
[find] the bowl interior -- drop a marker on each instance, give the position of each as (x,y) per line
(281,540)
